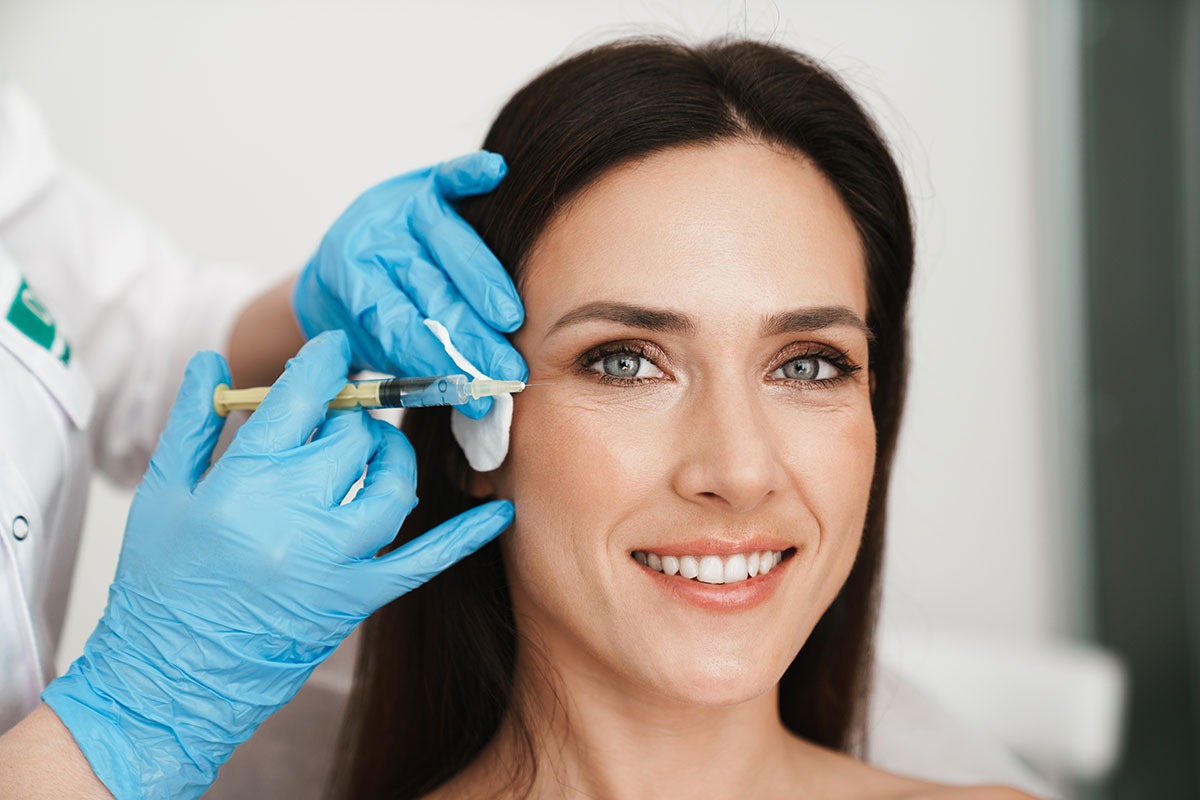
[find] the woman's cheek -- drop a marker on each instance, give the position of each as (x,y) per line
(837,473)
(578,445)
(576,471)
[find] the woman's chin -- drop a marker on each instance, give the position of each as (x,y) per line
(714,681)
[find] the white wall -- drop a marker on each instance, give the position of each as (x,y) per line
(245,127)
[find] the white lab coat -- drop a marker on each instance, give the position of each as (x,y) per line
(98,315)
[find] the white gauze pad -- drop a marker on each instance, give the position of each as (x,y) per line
(484,441)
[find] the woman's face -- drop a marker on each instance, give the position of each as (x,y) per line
(697,319)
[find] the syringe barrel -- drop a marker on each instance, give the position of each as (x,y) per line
(445,390)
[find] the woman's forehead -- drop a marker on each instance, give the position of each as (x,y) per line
(717,229)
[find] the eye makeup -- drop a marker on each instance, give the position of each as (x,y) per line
(623,353)
(804,351)
(638,348)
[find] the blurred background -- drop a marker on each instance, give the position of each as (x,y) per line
(1045,518)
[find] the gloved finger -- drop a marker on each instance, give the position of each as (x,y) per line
(412,350)
(399,328)
(185,447)
(461,253)
(427,555)
(357,292)
(482,344)
(296,403)
(335,458)
(387,497)
(474,173)
(430,293)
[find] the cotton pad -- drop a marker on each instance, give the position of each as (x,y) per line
(484,441)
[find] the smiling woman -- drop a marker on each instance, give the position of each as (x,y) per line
(714,249)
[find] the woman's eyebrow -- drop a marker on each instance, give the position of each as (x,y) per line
(651,319)
(657,319)
(814,319)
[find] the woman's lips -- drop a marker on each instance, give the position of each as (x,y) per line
(733,582)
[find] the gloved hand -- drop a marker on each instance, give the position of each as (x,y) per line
(233,586)
(399,254)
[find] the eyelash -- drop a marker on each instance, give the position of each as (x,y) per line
(634,348)
(836,358)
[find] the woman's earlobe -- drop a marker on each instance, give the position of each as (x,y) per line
(480,485)
(475,484)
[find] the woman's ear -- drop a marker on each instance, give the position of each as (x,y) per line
(473,483)
(871,375)
(480,485)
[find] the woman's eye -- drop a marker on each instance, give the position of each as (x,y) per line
(626,365)
(810,368)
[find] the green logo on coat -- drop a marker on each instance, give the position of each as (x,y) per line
(30,317)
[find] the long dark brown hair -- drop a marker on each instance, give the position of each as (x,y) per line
(435,671)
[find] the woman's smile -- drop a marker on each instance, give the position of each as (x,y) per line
(716,576)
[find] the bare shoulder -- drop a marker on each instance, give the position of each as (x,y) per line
(842,776)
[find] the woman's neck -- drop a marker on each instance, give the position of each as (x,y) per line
(594,735)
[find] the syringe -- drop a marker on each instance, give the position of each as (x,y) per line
(442,390)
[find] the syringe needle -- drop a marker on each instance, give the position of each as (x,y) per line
(484,387)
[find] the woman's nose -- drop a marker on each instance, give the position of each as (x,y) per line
(729,454)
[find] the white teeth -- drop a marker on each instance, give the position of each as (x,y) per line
(712,569)
(735,568)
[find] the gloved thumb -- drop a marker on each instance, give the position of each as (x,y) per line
(423,558)
(185,447)
(475,173)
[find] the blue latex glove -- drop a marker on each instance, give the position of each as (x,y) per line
(400,254)
(233,586)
